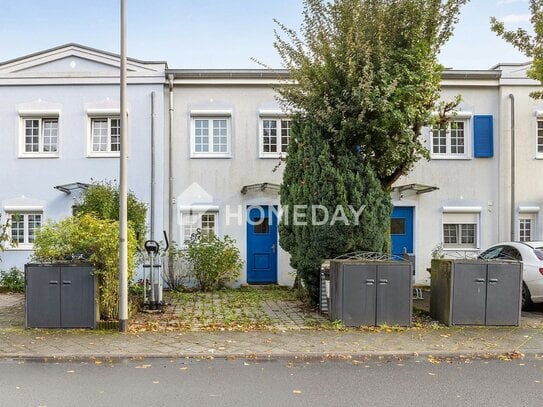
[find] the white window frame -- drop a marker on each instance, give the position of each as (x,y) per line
(531,214)
(198,216)
(459,117)
(279,119)
(454,216)
(41,118)
(539,136)
(26,244)
(90,135)
(210,116)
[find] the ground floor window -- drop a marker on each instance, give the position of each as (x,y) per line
(460,230)
(191,222)
(527,227)
(23,227)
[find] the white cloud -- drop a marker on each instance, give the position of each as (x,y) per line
(516,18)
(502,2)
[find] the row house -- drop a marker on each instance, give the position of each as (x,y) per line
(59,115)
(207,151)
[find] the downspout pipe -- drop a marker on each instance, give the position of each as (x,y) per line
(153,172)
(170,163)
(513,175)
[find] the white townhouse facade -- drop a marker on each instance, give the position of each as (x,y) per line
(207,149)
(60,122)
(228,133)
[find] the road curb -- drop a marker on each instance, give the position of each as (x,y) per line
(503,354)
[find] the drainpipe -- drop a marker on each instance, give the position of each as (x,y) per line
(153,175)
(512,98)
(170,164)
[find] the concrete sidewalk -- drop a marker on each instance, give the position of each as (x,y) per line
(16,342)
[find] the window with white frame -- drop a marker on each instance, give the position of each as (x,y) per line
(23,227)
(460,230)
(539,139)
(210,136)
(527,226)
(39,137)
(105,136)
(450,140)
(274,136)
(191,222)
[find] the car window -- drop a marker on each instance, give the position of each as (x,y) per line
(539,253)
(510,253)
(492,253)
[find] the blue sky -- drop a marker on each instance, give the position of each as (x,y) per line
(219,33)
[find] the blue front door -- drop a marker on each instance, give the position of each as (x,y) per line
(261,245)
(401,230)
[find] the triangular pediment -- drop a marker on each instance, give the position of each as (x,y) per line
(75,60)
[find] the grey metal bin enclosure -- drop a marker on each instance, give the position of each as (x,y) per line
(370,293)
(476,292)
(60,296)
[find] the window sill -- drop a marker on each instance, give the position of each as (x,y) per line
(539,156)
(19,248)
(273,155)
(461,249)
(104,155)
(449,157)
(210,155)
(39,155)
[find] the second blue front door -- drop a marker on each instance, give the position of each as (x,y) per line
(401,230)
(261,245)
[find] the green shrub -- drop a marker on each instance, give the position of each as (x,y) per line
(101,200)
(214,262)
(179,272)
(12,281)
(87,238)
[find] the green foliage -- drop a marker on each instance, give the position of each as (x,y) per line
(177,275)
(214,262)
(4,237)
(531,46)
(12,281)
(315,176)
(101,200)
(366,71)
(367,79)
(84,237)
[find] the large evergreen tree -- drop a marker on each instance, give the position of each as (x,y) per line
(337,189)
(365,80)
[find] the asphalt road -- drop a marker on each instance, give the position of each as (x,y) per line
(163,382)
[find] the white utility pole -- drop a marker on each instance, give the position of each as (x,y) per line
(123,187)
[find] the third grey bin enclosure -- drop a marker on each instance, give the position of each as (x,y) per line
(370,292)
(60,296)
(476,292)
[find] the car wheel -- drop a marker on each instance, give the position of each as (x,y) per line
(526,298)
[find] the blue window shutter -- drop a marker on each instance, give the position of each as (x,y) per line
(483,136)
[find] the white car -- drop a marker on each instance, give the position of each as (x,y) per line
(531,255)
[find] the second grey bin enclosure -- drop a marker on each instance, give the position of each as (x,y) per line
(370,293)
(476,292)
(60,296)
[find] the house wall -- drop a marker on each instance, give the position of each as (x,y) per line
(34,178)
(528,166)
(472,182)
(223,178)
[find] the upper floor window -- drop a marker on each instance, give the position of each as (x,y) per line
(274,136)
(105,136)
(40,137)
(211,136)
(450,140)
